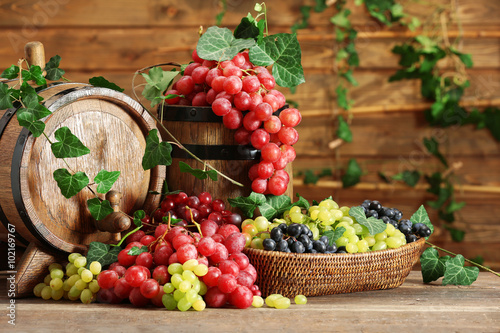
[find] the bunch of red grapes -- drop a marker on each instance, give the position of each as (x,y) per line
(244,95)
(142,278)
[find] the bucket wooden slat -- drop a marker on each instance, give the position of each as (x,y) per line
(114,127)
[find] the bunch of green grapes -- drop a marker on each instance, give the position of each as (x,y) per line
(185,290)
(73,282)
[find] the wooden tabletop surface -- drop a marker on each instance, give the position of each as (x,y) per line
(413,307)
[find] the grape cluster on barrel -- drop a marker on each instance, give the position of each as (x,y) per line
(394,217)
(244,95)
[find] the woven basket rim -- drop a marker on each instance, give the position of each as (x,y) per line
(418,243)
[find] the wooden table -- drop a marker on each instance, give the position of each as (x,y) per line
(413,307)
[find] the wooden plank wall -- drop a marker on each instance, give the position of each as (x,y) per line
(115,38)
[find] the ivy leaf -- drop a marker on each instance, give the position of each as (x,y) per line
(248,204)
(105,180)
(457,235)
(103,253)
(5,96)
(52,68)
(352,175)
(433,147)
(10,73)
(466,59)
(348,76)
(302,202)
(68,146)
(35,74)
(275,206)
(156,152)
(374,225)
(433,267)
(220,44)
(310,177)
(333,235)
(138,216)
(135,250)
(409,177)
(28,92)
(343,130)
(340,19)
(454,206)
(27,120)
(342,100)
(446,217)
(492,121)
(283,52)
(247,28)
(99,81)
(70,184)
(158,81)
(198,173)
(383,177)
(444,194)
(99,209)
(434,181)
(29,116)
(421,216)
(457,274)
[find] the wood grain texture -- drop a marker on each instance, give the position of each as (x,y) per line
(404,309)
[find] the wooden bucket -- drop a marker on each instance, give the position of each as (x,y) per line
(113,126)
(203,133)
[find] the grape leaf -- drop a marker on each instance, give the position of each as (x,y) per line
(103,253)
(35,74)
(52,68)
(99,209)
(433,266)
(69,145)
(29,116)
(352,175)
(374,225)
(343,130)
(411,178)
(457,235)
(492,121)
(10,73)
(275,206)
(421,216)
(333,235)
(443,194)
(248,204)
(247,28)
(135,250)
(99,81)
(156,153)
(70,184)
(105,180)
(348,76)
(158,81)
(457,274)
(310,177)
(340,19)
(138,216)
(5,96)
(220,44)
(198,173)
(454,206)
(302,202)
(28,91)
(433,147)
(342,99)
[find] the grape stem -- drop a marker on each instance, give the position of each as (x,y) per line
(469,261)
(125,237)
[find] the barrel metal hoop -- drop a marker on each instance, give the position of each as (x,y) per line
(15,175)
(198,114)
(217,152)
(6,118)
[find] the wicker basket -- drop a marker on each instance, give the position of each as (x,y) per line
(309,274)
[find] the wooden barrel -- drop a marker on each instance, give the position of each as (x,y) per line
(113,126)
(203,133)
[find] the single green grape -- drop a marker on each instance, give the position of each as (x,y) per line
(56,273)
(201,270)
(257,243)
(282,303)
(168,288)
(169,302)
(37,291)
(257,302)
(297,217)
(393,242)
(72,279)
(71,269)
(300,299)
(390,229)
(312,208)
(80,270)
(189,276)
(379,245)
(347,219)
(191,296)
(203,288)
(199,305)
(265,235)
(345,210)
(370,240)
(94,286)
(246,222)
(351,248)
(336,214)
(80,284)
(80,261)
(189,265)
(324,215)
(46,292)
(95,267)
(349,231)
(380,237)
(57,294)
(56,284)
(74,292)
(358,228)
(176,280)
(178,295)
(183,304)
(342,241)
(87,275)
(261,223)
(353,239)
(314,214)
(271,298)
(295,209)
(86,296)
(73,256)
(55,265)
(175,268)
(196,286)
(362,246)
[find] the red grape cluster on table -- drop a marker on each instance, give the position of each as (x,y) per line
(244,95)
(211,262)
